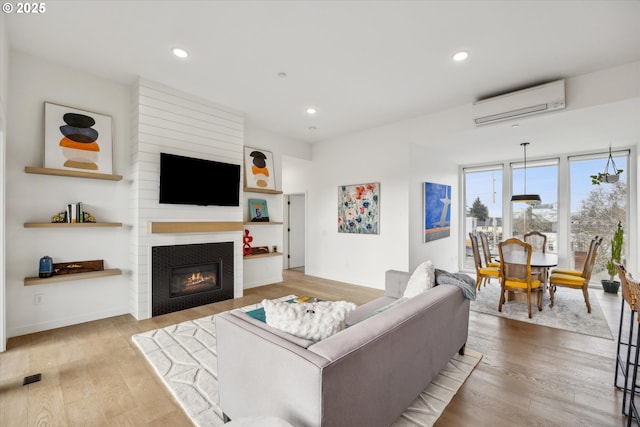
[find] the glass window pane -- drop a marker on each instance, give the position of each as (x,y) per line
(595,211)
(542,179)
(483,208)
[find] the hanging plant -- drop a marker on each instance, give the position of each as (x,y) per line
(611,172)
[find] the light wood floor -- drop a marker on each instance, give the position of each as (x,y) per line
(93,374)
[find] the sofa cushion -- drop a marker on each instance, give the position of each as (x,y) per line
(366,310)
(313,321)
(301,342)
(423,278)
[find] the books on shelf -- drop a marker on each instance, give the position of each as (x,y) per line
(74,213)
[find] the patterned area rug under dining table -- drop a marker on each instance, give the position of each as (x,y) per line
(184,356)
(569,311)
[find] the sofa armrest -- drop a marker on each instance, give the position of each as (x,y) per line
(395,282)
(262,373)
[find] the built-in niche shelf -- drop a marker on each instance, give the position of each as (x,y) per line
(270,254)
(29,281)
(71,225)
(263,223)
(76,174)
(195,227)
(261,190)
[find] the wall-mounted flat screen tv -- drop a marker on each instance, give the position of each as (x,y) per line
(191,181)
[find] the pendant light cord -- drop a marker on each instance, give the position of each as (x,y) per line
(524,144)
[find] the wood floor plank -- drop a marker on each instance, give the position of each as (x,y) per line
(93,374)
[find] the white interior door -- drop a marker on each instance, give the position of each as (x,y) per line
(296,230)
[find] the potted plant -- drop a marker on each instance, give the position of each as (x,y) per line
(616,253)
(610,175)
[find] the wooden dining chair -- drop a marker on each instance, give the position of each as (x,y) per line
(571,281)
(488,261)
(483,272)
(515,272)
(537,240)
(572,271)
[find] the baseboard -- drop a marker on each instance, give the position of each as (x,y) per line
(60,323)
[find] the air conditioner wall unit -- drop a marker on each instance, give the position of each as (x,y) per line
(521,103)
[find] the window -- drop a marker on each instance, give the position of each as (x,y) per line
(542,179)
(483,207)
(571,213)
(596,209)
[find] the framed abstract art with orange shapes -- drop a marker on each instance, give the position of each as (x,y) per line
(77,140)
(258,169)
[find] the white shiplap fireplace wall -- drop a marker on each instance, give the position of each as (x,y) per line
(166,120)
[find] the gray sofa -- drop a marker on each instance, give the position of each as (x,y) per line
(365,375)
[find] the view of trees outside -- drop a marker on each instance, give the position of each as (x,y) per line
(595,211)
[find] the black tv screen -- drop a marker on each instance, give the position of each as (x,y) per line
(191,181)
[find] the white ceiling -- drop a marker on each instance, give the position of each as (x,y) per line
(360,63)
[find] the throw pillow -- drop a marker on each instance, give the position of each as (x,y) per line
(314,321)
(423,278)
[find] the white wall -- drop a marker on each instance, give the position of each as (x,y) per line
(4,71)
(35,198)
(377,155)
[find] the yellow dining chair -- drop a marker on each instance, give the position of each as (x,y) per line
(515,272)
(575,282)
(573,271)
(487,252)
(483,273)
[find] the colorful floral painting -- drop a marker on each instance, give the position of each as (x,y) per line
(437,211)
(359,208)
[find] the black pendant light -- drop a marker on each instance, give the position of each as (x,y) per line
(524,197)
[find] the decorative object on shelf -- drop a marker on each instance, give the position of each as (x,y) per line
(437,211)
(611,172)
(77,140)
(259,250)
(258,211)
(246,240)
(617,242)
(78,267)
(275,248)
(75,213)
(531,199)
(258,167)
(46,267)
(359,208)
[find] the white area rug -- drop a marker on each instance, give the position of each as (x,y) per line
(569,311)
(184,356)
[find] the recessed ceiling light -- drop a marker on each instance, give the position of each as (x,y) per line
(312,128)
(311,110)
(179,52)
(460,56)
(282,74)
